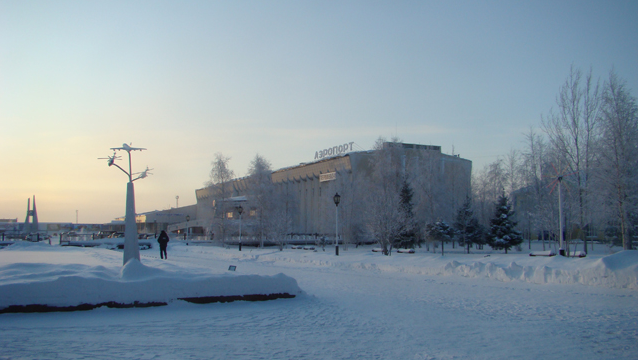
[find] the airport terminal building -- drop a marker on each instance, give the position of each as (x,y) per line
(310,187)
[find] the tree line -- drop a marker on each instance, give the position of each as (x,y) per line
(586,148)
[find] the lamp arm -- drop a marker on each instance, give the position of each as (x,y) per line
(118,166)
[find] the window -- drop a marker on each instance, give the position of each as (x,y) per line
(230,215)
(253,212)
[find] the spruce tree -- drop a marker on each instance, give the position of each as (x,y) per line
(408,235)
(468,229)
(440,231)
(502,233)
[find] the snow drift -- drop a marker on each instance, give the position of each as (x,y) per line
(72,285)
(619,270)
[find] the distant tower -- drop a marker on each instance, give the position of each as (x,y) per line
(33,214)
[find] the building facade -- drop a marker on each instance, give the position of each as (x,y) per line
(308,191)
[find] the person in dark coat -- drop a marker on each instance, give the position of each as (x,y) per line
(163,239)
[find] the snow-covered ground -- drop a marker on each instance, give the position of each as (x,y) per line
(357,305)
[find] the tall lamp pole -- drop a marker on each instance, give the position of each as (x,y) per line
(131,248)
(186,234)
(240,210)
(562,244)
(336,200)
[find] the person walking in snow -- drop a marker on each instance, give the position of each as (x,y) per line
(163,239)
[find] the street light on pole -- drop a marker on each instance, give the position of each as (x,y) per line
(187,232)
(240,210)
(336,200)
(131,248)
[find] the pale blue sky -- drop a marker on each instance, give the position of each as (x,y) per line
(187,79)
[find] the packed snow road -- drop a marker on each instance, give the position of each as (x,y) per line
(345,313)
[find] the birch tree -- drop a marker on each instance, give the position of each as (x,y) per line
(428,188)
(278,219)
(261,193)
(571,130)
(220,184)
(385,218)
(619,155)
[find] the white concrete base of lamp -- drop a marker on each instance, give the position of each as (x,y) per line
(131,249)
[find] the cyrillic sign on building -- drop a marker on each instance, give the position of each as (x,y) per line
(332,151)
(327,177)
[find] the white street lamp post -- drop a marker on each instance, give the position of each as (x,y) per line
(240,209)
(131,248)
(562,244)
(186,233)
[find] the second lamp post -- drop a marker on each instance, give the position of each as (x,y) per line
(186,233)
(240,209)
(336,200)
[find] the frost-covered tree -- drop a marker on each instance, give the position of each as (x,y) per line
(278,219)
(440,231)
(535,197)
(408,236)
(385,218)
(618,156)
(261,191)
(467,228)
(572,131)
(502,233)
(352,187)
(220,184)
(487,185)
(425,179)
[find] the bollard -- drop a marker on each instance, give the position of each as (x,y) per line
(240,246)
(337,250)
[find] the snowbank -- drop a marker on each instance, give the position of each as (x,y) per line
(619,270)
(616,271)
(57,277)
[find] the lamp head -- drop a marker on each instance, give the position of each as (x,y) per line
(336,199)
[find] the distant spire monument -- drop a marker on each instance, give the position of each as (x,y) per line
(31,221)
